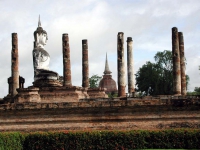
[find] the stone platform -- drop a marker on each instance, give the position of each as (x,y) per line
(56,94)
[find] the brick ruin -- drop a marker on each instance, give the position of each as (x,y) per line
(85,64)
(66,61)
(53,103)
(131,88)
(179,77)
(107,82)
(121,65)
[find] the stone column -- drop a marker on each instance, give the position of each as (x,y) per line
(10,83)
(15,64)
(182,63)
(66,61)
(130,71)
(21,82)
(176,62)
(85,66)
(121,65)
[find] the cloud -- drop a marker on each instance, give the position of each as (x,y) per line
(148,22)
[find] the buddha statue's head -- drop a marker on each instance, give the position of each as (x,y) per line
(40,37)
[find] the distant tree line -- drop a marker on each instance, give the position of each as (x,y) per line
(195,92)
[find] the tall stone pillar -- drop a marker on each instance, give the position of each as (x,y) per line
(85,66)
(15,64)
(121,65)
(10,83)
(130,71)
(182,63)
(176,62)
(66,61)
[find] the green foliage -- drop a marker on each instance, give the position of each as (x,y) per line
(11,141)
(148,79)
(195,92)
(197,89)
(157,78)
(136,139)
(112,94)
(94,81)
(187,81)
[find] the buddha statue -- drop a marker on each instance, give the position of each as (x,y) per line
(41,59)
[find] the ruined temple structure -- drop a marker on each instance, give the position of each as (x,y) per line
(48,86)
(107,82)
(53,103)
(10,83)
(15,81)
(43,77)
(85,64)
(121,65)
(130,72)
(179,77)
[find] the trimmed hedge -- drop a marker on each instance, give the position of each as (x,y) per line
(11,141)
(98,140)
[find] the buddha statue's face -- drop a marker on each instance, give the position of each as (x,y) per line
(41,40)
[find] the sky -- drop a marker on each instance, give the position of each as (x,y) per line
(148,22)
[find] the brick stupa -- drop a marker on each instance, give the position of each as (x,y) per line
(107,82)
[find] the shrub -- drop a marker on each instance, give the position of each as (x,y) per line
(98,140)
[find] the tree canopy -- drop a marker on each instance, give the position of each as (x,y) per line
(94,81)
(195,92)
(156,78)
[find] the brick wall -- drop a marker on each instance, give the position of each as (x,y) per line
(100,114)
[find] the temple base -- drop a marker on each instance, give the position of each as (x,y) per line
(97,93)
(50,94)
(46,78)
(47,83)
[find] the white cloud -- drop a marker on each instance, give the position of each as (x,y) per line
(148,22)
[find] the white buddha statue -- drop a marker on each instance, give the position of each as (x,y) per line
(43,77)
(41,58)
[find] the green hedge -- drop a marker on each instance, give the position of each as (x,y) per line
(119,140)
(11,141)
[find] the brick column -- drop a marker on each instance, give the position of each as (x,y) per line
(21,82)
(10,83)
(121,65)
(85,66)
(15,64)
(182,63)
(130,71)
(66,61)
(176,62)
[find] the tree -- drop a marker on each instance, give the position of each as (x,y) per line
(187,81)
(94,81)
(157,78)
(112,94)
(197,89)
(195,92)
(147,78)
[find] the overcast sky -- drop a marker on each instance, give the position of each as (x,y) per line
(148,22)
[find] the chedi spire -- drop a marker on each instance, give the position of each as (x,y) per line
(107,82)
(107,70)
(39,22)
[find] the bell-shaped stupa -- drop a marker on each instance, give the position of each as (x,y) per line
(107,82)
